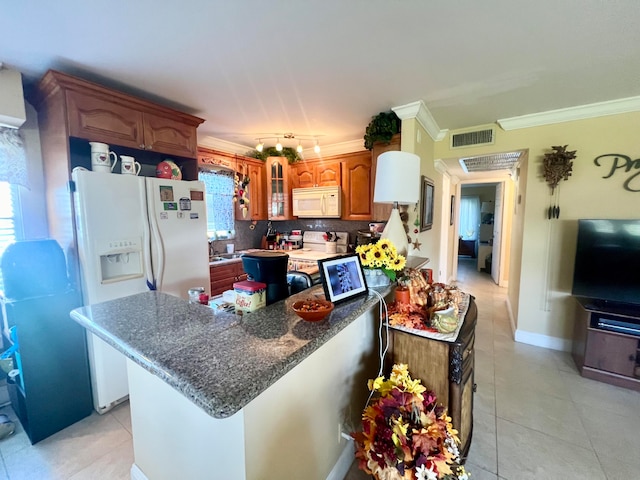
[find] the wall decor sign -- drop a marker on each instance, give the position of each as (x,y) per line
(617,161)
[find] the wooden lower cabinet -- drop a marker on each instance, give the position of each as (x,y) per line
(224,275)
(605,355)
(447,368)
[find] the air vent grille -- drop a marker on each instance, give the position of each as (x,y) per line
(477,137)
(500,161)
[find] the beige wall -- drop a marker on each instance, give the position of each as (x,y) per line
(542,250)
(416,140)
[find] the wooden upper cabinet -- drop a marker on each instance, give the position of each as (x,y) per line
(301,175)
(166,135)
(99,114)
(278,190)
(101,120)
(381,211)
(213,158)
(256,189)
(357,187)
(315,174)
(327,174)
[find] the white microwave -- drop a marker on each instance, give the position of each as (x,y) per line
(317,202)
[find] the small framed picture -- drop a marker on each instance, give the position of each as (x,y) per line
(342,277)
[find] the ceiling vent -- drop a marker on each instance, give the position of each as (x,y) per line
(471,138)
(499,161)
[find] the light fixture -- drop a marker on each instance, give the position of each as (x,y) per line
(289,142)
(397,182)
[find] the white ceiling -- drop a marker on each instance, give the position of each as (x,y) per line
(325,67)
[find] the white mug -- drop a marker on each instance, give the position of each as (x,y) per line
(230,247)
(101,157)
(129,166)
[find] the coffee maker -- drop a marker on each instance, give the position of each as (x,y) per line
(268,267)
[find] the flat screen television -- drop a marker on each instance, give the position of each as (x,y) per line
(607,263)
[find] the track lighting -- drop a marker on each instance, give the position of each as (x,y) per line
(288,139)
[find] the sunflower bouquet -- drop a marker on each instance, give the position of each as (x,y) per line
(382,255)
(405,434)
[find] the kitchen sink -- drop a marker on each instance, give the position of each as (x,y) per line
(224,256)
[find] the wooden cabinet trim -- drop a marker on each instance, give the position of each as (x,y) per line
(54,80)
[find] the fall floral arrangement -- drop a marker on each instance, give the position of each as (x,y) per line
(405,434)
(382,255)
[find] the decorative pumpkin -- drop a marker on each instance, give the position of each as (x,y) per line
(445,321)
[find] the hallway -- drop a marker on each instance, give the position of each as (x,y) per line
(535,417)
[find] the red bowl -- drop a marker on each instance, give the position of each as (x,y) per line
(312,310)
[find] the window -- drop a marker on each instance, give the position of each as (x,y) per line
(219,197)
(469,217)
(8,225)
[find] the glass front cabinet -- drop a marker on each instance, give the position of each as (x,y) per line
(279,195)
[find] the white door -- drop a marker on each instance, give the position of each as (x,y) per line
(179,246)
(112,236)
(497,234)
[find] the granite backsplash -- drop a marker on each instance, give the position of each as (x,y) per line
(246,237)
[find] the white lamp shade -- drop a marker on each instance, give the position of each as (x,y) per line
(397,178)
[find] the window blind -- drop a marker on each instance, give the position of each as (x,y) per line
(219,197)
(8,208)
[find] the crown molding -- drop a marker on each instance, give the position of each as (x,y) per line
(308,153)
(440,167)
(600,109)
(224,145)
(334,149)
(421,113)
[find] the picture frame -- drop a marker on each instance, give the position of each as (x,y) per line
(426,202)
(453,210)
(342,277)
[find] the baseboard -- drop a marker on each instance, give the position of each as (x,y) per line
(537,339)
(342,466)
(546,341)
(136,473)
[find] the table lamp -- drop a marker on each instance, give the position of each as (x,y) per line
(397,182)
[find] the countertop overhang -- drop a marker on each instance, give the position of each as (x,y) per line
(218,360)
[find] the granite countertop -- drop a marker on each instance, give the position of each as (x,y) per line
(218,360)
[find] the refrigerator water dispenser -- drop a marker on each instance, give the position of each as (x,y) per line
(121,260)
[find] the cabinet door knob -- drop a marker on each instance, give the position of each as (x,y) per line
(149,147)
(141,146)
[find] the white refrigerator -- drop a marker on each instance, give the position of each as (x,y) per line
(135,234)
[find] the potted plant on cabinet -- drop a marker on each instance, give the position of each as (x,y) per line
(381,128)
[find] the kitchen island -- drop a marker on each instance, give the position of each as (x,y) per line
(219,395)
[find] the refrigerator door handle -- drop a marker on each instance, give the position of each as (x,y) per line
(146,240)
(157,241)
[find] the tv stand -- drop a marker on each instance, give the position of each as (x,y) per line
(606,343)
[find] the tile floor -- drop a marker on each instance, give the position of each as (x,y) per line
(534,418)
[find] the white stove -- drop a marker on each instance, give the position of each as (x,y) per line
(314,248)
